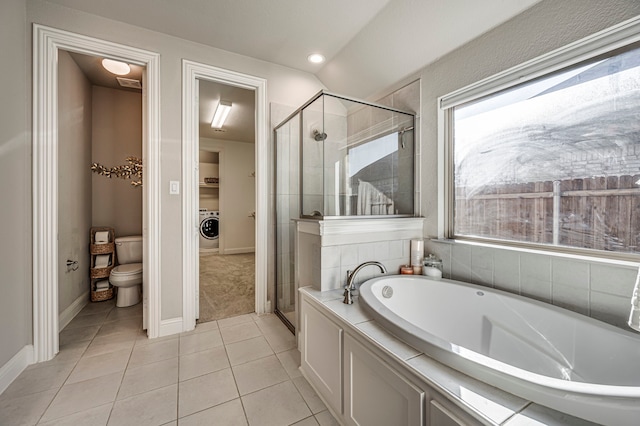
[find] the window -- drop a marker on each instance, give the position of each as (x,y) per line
(552,161)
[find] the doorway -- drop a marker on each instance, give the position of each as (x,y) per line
(194,75)
(46,44)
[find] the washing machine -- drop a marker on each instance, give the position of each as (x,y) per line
(209,228)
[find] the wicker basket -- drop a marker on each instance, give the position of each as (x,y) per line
(102,248)
(102,295)
(101,272)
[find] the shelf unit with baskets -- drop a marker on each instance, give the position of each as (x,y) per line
(100,272)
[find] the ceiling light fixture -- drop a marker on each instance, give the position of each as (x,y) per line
(315,58)
(221,114)
(116,67)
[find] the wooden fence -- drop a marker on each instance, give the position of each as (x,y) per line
(600,213)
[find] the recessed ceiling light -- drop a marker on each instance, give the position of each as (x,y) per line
(315,58)
(116,67)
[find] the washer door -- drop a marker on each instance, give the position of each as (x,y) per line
(209,228)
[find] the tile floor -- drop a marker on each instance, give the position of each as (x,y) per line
(236,371)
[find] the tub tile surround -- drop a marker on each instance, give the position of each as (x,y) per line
(597,289)
(327,249)
(494,406)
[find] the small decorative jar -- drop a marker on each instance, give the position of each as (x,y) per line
(432,267)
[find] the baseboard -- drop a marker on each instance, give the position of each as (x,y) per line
(74,309)
(170,326)
(16,365)
(240,250)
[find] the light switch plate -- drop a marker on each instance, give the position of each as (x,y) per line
(174,187)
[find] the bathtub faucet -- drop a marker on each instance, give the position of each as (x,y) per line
(348,297)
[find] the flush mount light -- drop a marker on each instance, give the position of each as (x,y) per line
(315,58)
(116,67)
(221,114)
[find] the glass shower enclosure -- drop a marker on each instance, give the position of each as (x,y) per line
(337,158)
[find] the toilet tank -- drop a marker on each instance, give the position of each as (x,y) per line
(129,249)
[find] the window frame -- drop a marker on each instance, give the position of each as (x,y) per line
(598,44)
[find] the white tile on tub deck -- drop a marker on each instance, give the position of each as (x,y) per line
(610,279)
(395,249)
(354,314)
(610,308)
(567,272)
(389,341)
(506,270)
(494,403)
(537,415)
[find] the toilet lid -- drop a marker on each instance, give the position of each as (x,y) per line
(128,269)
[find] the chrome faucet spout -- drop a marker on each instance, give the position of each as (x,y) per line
(350,286)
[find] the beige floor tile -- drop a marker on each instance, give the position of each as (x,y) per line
(228,414)
(239,319)
(82,396)
(105,344)
(153,352)
(206,391)
(93,417)
(71,352)
(259,374)
(152,408)
(25,410)
(203,362)
(270,323)
(148,377)
(326,419)
(261,409)
(125,313)
(200,342)
(309,421)
(78,334)
(99,365)
(95,307)
(236,333)
(201,327)
(310,396)
(248,350)
(87,320)
(290,360)
(38,380)
(127,327)
(281,341)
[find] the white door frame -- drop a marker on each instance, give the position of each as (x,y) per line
(46,43)
(191,72)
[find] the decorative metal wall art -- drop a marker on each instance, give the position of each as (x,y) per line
(131,171)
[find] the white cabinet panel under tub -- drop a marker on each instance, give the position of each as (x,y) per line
(375,394)
(322,356)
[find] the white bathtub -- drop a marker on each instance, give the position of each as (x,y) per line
(552,356)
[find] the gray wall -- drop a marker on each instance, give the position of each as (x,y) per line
(74,180)
(593,288)
(116,135)
(15,172)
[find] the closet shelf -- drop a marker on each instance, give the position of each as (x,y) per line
(209,185)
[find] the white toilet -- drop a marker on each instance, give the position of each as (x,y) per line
(127,276)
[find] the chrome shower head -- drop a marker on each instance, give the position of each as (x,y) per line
(319,136)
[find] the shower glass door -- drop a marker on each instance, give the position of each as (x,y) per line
(287,155)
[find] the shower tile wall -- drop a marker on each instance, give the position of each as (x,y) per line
(602,291)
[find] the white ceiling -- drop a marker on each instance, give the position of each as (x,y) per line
(369,44)
(240,124)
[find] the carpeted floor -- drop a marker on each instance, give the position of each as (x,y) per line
(227,285)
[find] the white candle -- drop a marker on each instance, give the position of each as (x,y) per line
(417,252)
(432,272)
